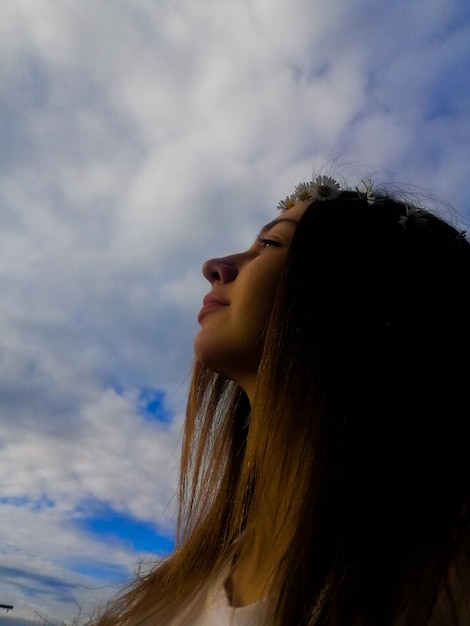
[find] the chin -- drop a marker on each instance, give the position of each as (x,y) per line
(227,361)
(206,353)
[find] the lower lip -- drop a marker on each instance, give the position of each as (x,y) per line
(208,307)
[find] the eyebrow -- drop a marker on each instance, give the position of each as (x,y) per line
(277,221)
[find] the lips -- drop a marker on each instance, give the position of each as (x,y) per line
(211,301)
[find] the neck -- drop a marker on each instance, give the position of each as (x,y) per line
(252,572)
(262,547)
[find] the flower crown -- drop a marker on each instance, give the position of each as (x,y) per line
(325,188)
(322,188)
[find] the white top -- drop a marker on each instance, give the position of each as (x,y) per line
(218,612)
(215,610)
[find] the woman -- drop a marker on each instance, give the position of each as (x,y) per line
(325,473)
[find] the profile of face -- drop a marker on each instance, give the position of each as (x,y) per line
(243,287)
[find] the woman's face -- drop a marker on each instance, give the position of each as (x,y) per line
(235,312)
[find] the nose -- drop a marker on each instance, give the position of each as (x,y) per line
(222,270)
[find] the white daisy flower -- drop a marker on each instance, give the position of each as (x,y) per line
(415,215)
(288,203)
(326,187)
(303,191)
(368,193)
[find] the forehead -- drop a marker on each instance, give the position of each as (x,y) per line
(292,215)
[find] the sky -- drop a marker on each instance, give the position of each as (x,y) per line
(137,140)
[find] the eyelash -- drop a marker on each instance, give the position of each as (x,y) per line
(268,243)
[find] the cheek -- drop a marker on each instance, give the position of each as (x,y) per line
(262,307)
(263,298)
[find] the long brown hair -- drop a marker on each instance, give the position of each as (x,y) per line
(360,416)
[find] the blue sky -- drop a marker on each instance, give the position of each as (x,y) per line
(139,138)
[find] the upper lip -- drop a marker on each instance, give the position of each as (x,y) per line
(211,298)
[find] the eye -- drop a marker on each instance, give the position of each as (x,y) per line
(267,243)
